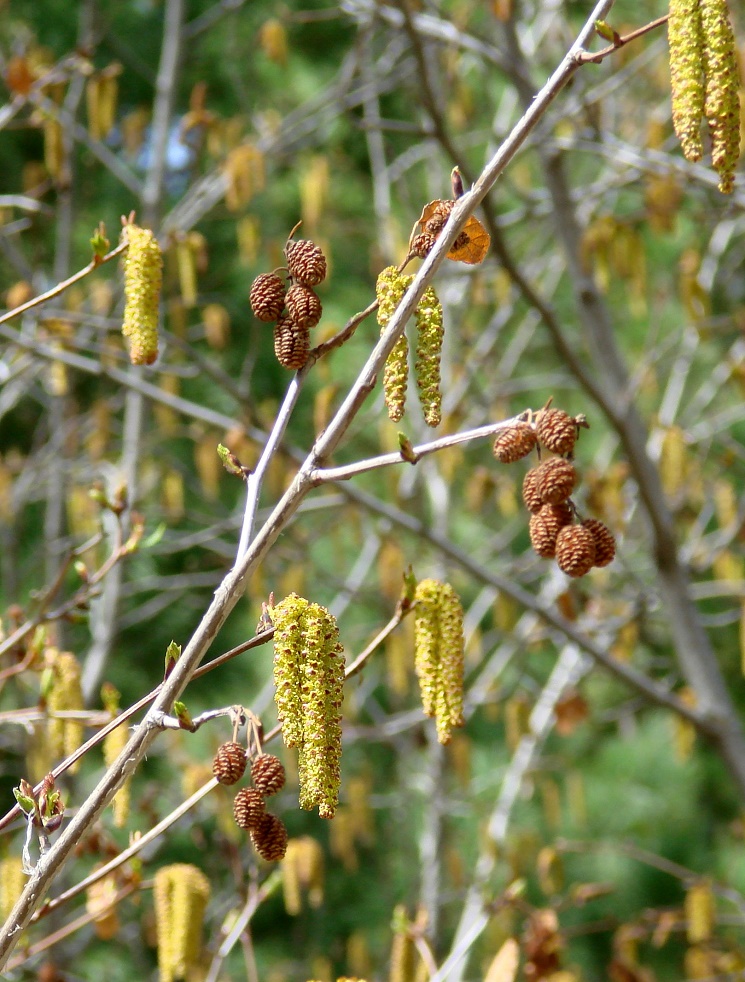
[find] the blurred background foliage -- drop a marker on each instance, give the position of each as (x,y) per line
(338,116)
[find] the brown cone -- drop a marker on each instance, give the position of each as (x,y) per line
(267,296)
(303,306)
(605,543)
(514,442)
(267,774)
(438,219)
(575,550)
(248,808)
(229,763)
(422,244)
(270,838)
(306,262)
(556,480)
(544,527)
(556,430)
(291,344)
(531,495)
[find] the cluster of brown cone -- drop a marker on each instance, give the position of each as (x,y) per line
(268,833)
(555,530)
(294,310)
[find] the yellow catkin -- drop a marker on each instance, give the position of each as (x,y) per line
(700,912)
(288,641)
(291,879)
(311,869)
(389,289)
(113,745)
(430,335)
(686,43)
(302,870)
(143,276)
(64,694)
(323,681)
(309,681)
(722,105)
(438,646)
(403,952)
(12,882)
(181,893)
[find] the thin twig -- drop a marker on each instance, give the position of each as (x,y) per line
(128,853)
(132,710)
(255,479)
(413,454)
(55,291)
(65,932)
(590,57)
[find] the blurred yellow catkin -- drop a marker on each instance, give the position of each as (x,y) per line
(181,893)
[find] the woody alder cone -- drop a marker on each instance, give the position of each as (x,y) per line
(514,442)
(291,344)
(229,763)
(303,306)
(267,297)
(531,495)
(439,217)
(575,550)
(605,543)
(248,808)
(556,431)
(267,774)
(423,244)
(306,262)
(544,527)
(270,838)
(556,480)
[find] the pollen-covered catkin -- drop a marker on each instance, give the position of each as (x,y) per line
(721,104)
(288,653)
(685,38)
(389,289)
(395,378)
(323,681)
(430,334)
(143,277)
(309,681)
(181,893)
(438,646)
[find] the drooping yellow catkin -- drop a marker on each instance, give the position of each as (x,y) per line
(686,43)
(403,952)
(438,646)
(291,879)
(302,870)
(389,289)
(323,682)
(63,693)
(722,104)
(288,648)
(430,334)
(395,378)
(143,276)
(12,882)
(113,745)
(309,680)
(181,893)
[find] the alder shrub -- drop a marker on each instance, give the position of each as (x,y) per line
(403,643)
